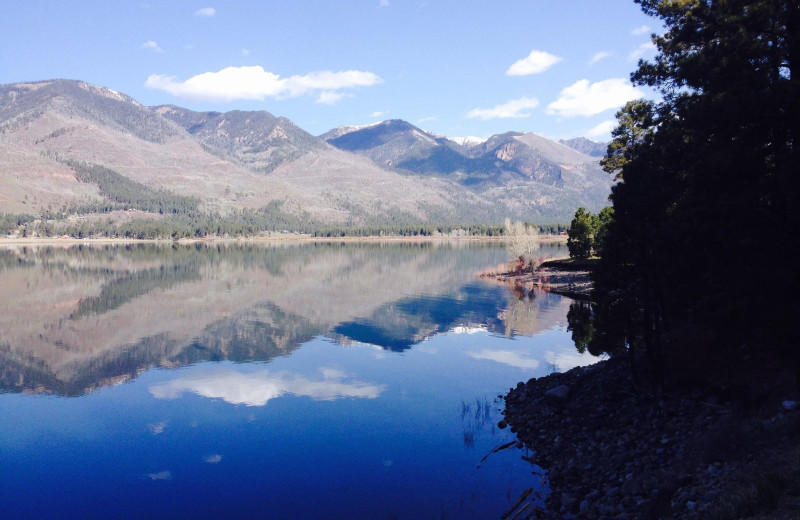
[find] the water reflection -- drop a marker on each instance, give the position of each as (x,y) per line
(313,381)
(580,323)
(477,417)
(257,388)
(79,318)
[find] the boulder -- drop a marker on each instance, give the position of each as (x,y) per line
(559,393)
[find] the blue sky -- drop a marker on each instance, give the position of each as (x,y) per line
(457,68)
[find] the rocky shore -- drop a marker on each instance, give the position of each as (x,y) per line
(614,453)
(557,276)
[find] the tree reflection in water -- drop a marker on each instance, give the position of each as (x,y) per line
(580,322)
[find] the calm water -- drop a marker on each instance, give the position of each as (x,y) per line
(303,381)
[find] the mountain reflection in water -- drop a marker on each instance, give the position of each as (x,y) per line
(78,318)
(281,381)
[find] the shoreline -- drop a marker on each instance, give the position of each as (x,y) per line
(547,239)
(615,449)
(613,453)
(554,275)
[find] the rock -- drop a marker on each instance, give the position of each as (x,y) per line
(609,453)
(502,424)
(606,510)
(560,392)
(631,486)
(567,500)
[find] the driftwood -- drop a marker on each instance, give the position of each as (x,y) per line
(517,504)
(495,450)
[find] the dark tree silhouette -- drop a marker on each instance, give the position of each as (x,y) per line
(701,246)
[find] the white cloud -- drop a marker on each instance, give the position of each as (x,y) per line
(583,98)
(426,119)
(150,45)
(378,113)
(516,108)
(536,62)
(599,56)
(329,97)
(644,29)
(161,475)
(255,83)
(245,52)
(257,388)
(383,3)
(645,49)
(206,12)
(506,357)
(327,80)
(603,130)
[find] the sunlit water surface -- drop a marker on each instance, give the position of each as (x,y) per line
(305,381)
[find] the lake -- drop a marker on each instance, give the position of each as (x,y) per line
(266,381)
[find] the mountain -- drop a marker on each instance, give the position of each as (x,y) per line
(231,161)
(44,125)
(68,146)
(527,173)
(398,144)
(586,146)
(256,140)
(265,144)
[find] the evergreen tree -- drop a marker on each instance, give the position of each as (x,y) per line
(707,190)
(581,234)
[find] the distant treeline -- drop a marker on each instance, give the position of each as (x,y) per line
(428,230)
(182,217)
(246,223)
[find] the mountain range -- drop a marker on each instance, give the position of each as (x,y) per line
(386,173)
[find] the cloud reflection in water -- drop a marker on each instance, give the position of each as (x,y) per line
(157,428)
(257,388)
(567,360)
(507,357)
(161,475)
